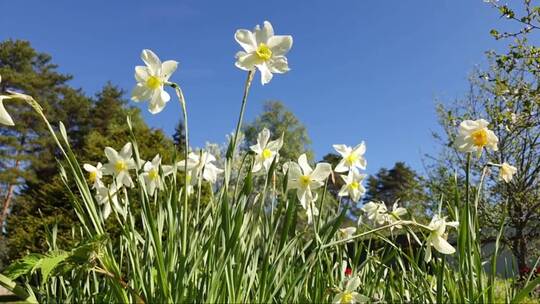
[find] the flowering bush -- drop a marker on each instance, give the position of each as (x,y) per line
(246,244)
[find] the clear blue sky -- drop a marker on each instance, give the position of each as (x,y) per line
(360,70)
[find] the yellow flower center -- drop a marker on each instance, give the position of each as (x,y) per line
(120,166)
(93,176)
(153,174)
(305,180)
(354,185)
(346,298)
(153,82)
(480,137)
(266,154)
(351,159)
(264,52)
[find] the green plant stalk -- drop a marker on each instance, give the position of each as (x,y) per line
(182,101)
(468,227)
(232,146)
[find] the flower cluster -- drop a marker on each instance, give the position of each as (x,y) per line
(120,163)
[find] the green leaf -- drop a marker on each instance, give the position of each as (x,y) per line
(50,262)
(526,291)
(22,266)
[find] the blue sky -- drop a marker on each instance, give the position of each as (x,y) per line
(360,70)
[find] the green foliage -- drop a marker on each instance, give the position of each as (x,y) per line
(507,95)
(92,124)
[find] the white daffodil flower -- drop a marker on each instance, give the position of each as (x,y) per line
(349,294)
(473,136)
(151,175)
(347,233)
(311,209)
(395,215)
(151,80)
(119,164)
(266,151)
(5,118)
(376,212)
(95,174)
(353,185)
(305,179)
(105,196)
(263,50)
(201,164)
(351,157)
(437,237)
(506,172)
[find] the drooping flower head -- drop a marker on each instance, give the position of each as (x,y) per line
(151,80)
(119,164)
(106,196)
(151,174)
(437,237)
(376,212)
(305,179)
(94,174)
(395,215)
(266,151)
(263,50)
(5,118)
(201,164)
(474,136)
(353,185)
(352,158)
(347,233)
(506,172)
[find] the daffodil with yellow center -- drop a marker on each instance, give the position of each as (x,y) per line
(352,158)
(151,80)
(263,51)
(94,174)
(306,179)
(474,136)
(265,151)
(353,185)
(119,164)
(506,172)
(151,175)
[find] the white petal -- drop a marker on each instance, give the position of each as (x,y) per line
(126,151)
(246,39)
(321,172)
(5,118)
(158,101)
(302,161)
(279,65)
(152,61)
(353,284)
(280,44)
(111,154)
(343,150)
(266,75)
(262,35)
(263,137)
(247,61)
(167,69)
(141,73)
(141,93)
(442,245)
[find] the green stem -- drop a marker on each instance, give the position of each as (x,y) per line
(468,224)
(182,101)
(232,147)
